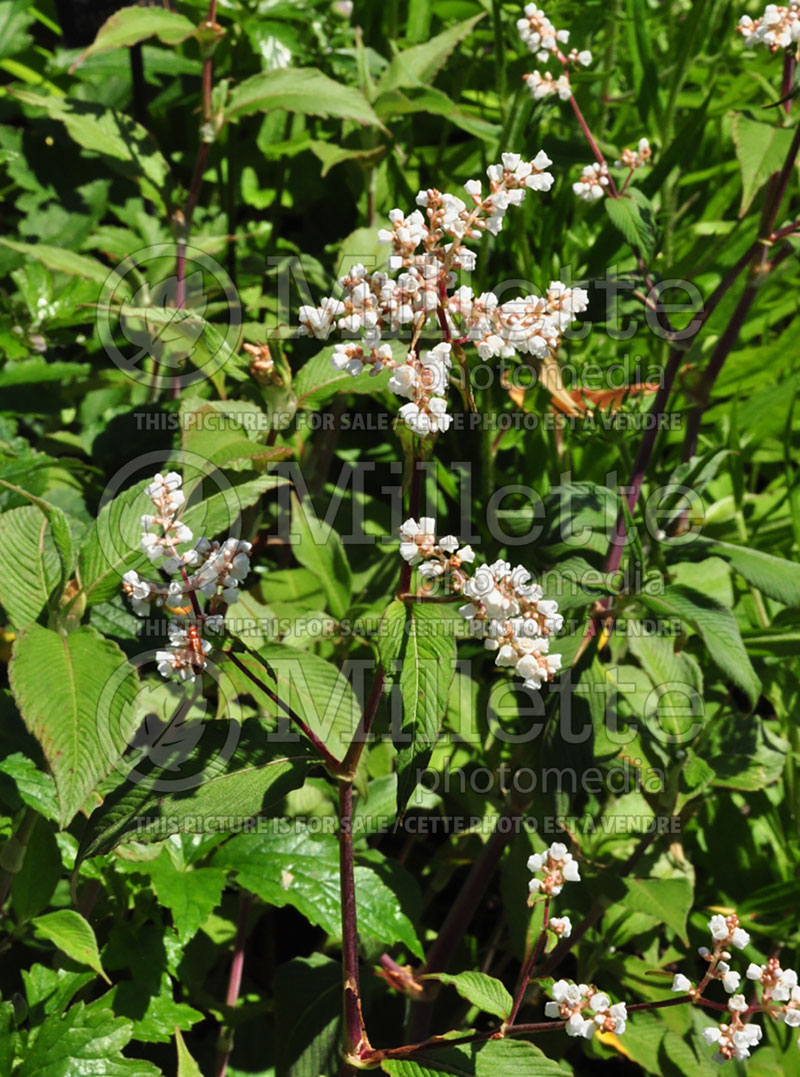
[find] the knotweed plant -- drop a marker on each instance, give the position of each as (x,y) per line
(225,804)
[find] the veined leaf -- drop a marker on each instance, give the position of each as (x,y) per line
(318,547)
(509,1058)
(761,149)
(483,991)
(130,25)
(418,65)
(83,737)
(299,89)
(74,935)
(29,574)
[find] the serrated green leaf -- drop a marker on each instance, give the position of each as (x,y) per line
(667,900)
(28,577)
(761,149)
(187,1067)
(82,738)
(302,869)
(419,64)
(483,991)
(130,25)
(775,576)
(511,1058)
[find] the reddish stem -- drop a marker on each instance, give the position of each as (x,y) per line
(234,980)
(529,966)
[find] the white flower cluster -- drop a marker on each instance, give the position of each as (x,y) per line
(516,620)
(592,184)
(558,867)
(426,247)
(544,41)
(220,569)
(777,28)
(573,1002)
(780,991)
(505,606)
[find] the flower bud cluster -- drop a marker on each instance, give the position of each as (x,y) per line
(585,1009)
(634,159)
(557,867)
(778,27)
(593,182)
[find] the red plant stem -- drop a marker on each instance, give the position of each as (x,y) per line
(612,187)
(529,966)
(328,758)
(355,1036)
(759,268)
(353,754)
(414,485)
(234,979)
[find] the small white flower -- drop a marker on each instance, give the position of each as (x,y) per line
(681,983)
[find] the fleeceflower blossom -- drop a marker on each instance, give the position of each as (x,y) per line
(592,184)
(733,1040)
(585,1009)
(725,931)
(427,248)
(777,28)
(558,867)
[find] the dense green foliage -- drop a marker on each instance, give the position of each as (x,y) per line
(149,830)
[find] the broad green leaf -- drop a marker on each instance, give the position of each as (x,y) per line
(112,134)
(318,547)
(84,1040)
(29,574)
(73,935)
(191,894)
(497,1058)
(187,1067)
(317,382)
(418,65)
(219,434)
(299,89)
(667,900)
(311,686)
(676,677)
(8,1036)
(34,787)
(84,736)
(219,514)
(308,1015)
(717,627)
(292,866)
(59,527)
(231,774)
(761,149)
(428,99)
(133,24)
(330,155)
(428,658)
(483,991)
(775,576)
(391,633)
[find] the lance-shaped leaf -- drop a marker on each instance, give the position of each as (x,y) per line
(483,991)
(300,89)
(509,1058)
(133,24)
(29,569)
(428,663)
(75,693)
(73,935)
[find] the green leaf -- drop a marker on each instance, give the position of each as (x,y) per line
(313,687)
(235,772)
(107,132)
(509,1058)
(29,575)
(59,527)
(667,900)
(761,149)
(775,576)
(331,155)
(632,215)
(428,660)
(35,882)
(218,432)
(483,991)
(317,381)
(302,869)
(187,1067)
(72,934)
(8,1036)
(111,546)
(133,24)
(62,261)
(220,513)
(34,788)
(308,1016)
(419,64)
(318,547)
(84,1040)
(299,89)
(428,99)
(191,894)
(84,735)
(718,629)
(391,633)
